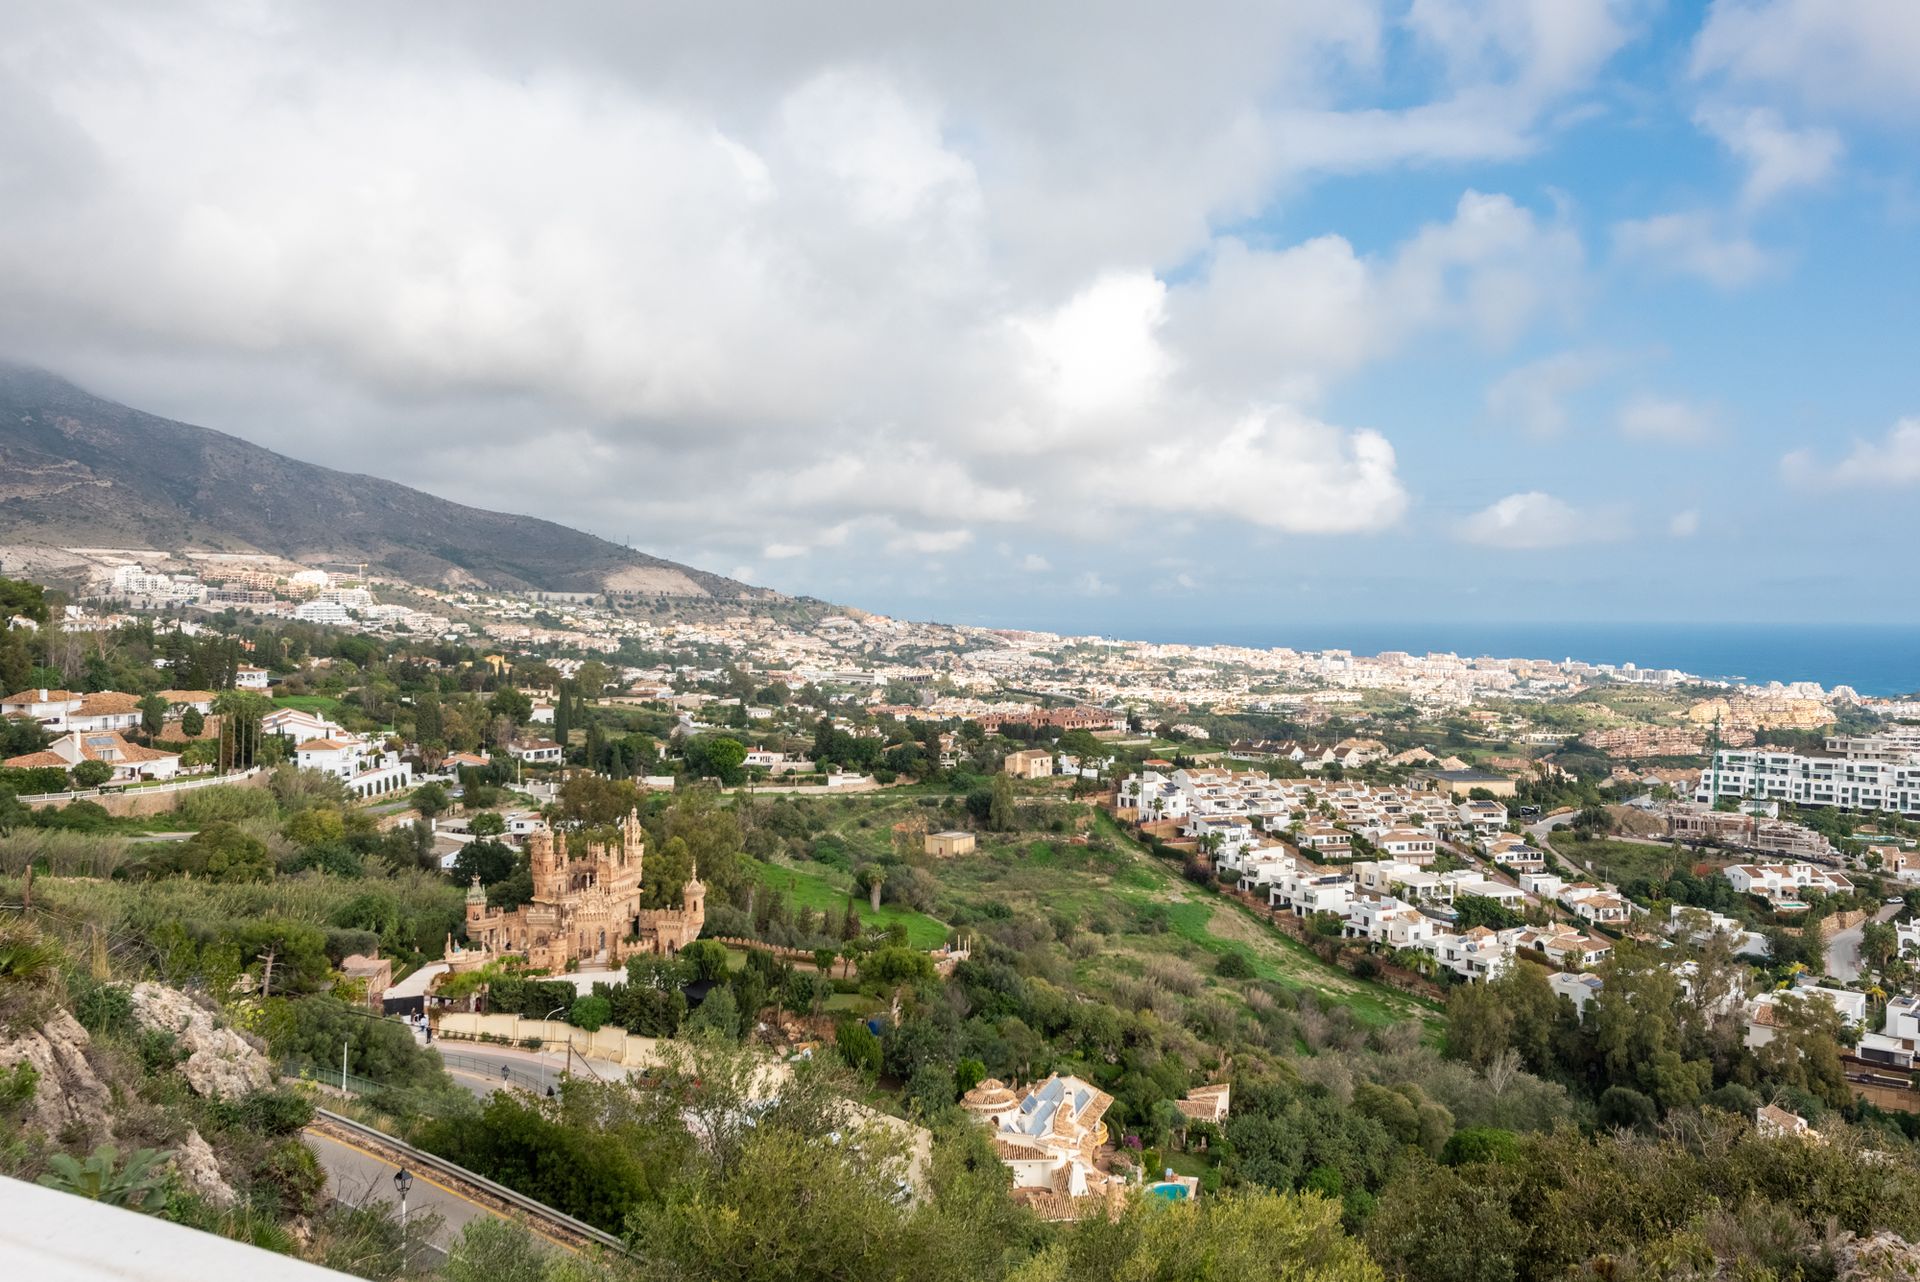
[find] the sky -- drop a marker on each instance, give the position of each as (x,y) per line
(1122,317)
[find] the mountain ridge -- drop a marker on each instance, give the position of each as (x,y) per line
(79,469)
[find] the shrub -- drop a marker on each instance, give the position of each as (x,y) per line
(226,801)
(77,816)
(268,1112)
(103,1008)
(590,1013)
(1233,966)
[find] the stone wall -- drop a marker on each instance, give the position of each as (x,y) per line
(615,1045)
(142,802)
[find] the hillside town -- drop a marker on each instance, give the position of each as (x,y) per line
(1430,825)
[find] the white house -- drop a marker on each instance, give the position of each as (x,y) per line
(248,677)
(1760,1011)
(1899,1036)
(1482,818)
(1597,903)
(1308,892)
(1408,844)
(130,761)
(1389,921)
(1783,884)
(535,751)
(364,765)
(1479,954)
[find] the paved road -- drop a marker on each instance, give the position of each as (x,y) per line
(1843,949)
(357,1176)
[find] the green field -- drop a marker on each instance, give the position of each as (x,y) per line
(828,891)
(1622,861)
(325,705)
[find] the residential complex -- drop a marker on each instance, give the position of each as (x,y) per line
(1866,773)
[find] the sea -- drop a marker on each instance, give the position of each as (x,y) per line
(1875,659)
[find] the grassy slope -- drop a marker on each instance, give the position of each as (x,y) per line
(827,890)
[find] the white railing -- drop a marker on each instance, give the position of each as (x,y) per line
(170,785)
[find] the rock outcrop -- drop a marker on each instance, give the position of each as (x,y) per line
(1884,1257)
(69,1100)
(193,1161)
(220,1063)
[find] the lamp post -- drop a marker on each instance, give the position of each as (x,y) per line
(343,1064)
(546,1079)
(402,1181)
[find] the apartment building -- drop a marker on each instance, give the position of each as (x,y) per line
(1853,774)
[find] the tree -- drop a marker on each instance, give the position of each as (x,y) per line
(153,715)
(705,959)
(1879,943)
(91,774)
(1480,910)
(192,723)
(1001,816)
(874,876)
(717,757)
(225,852)
(511,704)
(431,799)
(1249,1236)
(487,823)
(315,826)
(490,861)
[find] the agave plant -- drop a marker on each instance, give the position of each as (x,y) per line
(138,1185)
(25,957)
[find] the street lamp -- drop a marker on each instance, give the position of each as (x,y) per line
(546,1079)
(402,1181)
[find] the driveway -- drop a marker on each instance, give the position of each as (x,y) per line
(1843,948)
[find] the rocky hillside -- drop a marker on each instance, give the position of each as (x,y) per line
(79,470)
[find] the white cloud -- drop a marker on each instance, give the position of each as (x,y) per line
(1034,563)
(1684,525)
(1893,462)
(1852,55)
(1659,418)
(1535,520)
(1092,584)
(1778,158)
(1696,243)
(1276,468)
(1284,322)
(930,542)
(1533,397)
(732,286)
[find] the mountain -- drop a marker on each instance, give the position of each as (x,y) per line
(78,470)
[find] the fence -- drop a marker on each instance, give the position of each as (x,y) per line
(492,1196)
(526,1079)
(138,790)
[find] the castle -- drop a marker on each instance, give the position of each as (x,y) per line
(585,911)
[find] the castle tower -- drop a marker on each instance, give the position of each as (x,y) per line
(633,842)
(476,905)
(548,876)
(694,898)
